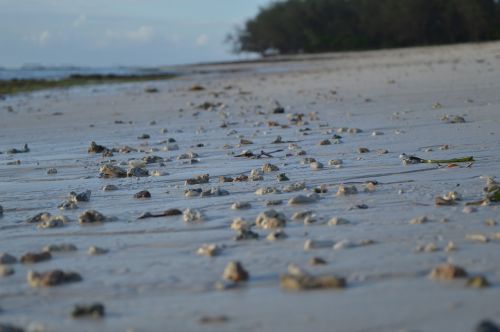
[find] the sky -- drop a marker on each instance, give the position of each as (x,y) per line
(101,33)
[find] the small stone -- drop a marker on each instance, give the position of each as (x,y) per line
(469,209)
(42,216)
(282,177)
(335,162)
(111,171)
(354,130)
(316,261)
(6,271)
(450,247)
(90,217)
(52,278)
(64,247)
(6,258)
(268,168)
(193,192)
(478,282)
(448,272)
(274,202)
(95,251)
(490,222)
(81,197)
(239,224)
(301,199)
(298,186)
(245,141)
(142,194)
(67,205)
(95,310)
(216,191)
(96,148)
(144,136)
(419,220)
(241,206)
(316,166)
(109,187)
(315,244)
(343,244)
(32,257)
(487,326)
(270,219)
(275,235)
(200,179)
(307,161)
(335,221)
(363,150)
(267,190)
(325,142)
(307,282)
(51,171)
(256,175)
(346,190)
(137,172)
(246,234)
(209,250)
(377,133)
(192,216)
(235,272)
(172,212)
(302,215)
(477,237)
(53,222)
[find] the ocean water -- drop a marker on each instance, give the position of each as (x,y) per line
(40,72)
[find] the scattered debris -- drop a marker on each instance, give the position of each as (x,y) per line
(52,278)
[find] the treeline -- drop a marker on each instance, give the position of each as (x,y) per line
(296,26)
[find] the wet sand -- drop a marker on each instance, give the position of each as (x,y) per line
(152,280)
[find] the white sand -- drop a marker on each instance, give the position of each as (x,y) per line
(152,280)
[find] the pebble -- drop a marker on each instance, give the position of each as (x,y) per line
(343,244)
(235,272)
(137,172)
(6,258)
(95,310)
(256,175)
(199,179)
(142,194)
(192,216)
(325,142)
(6,271)
(241,206)
(144,136)
(270,219)
(363,150)
(35,257)
(308,282)
(477,237)
(450,247)
(52,278)
(109,187)
(419,220)
(239,224)
(301,215)
(95,251)
(111,171)
(267,190)
(315,166)
(268,168)
(275,235)
(377,133)
(302,199)
(64,247)
(335,221)
(298,186)
(42,216)
(214,192)
(90,217)
(96,148)
(316,261)
(310,244)
(67,205)
(274,202)
(81,197)
(335,162)
(448,272)
(346,190)
(246,234)
(478,282)
(307,161)
(53,222)
(51,171)
(282,177)
(469,209)
(209,250)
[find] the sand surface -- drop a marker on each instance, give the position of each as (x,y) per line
(152,280)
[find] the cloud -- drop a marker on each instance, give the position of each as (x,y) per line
(80,20)
(202,40)
(44,37)
(143,34)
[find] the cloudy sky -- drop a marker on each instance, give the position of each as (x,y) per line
(119,32)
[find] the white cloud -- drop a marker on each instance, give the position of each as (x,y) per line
(202,40)
(44,37)
(80,20)
(143,34)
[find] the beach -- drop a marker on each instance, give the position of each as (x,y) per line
(371,107)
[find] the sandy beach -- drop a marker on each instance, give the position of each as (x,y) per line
(151,277)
